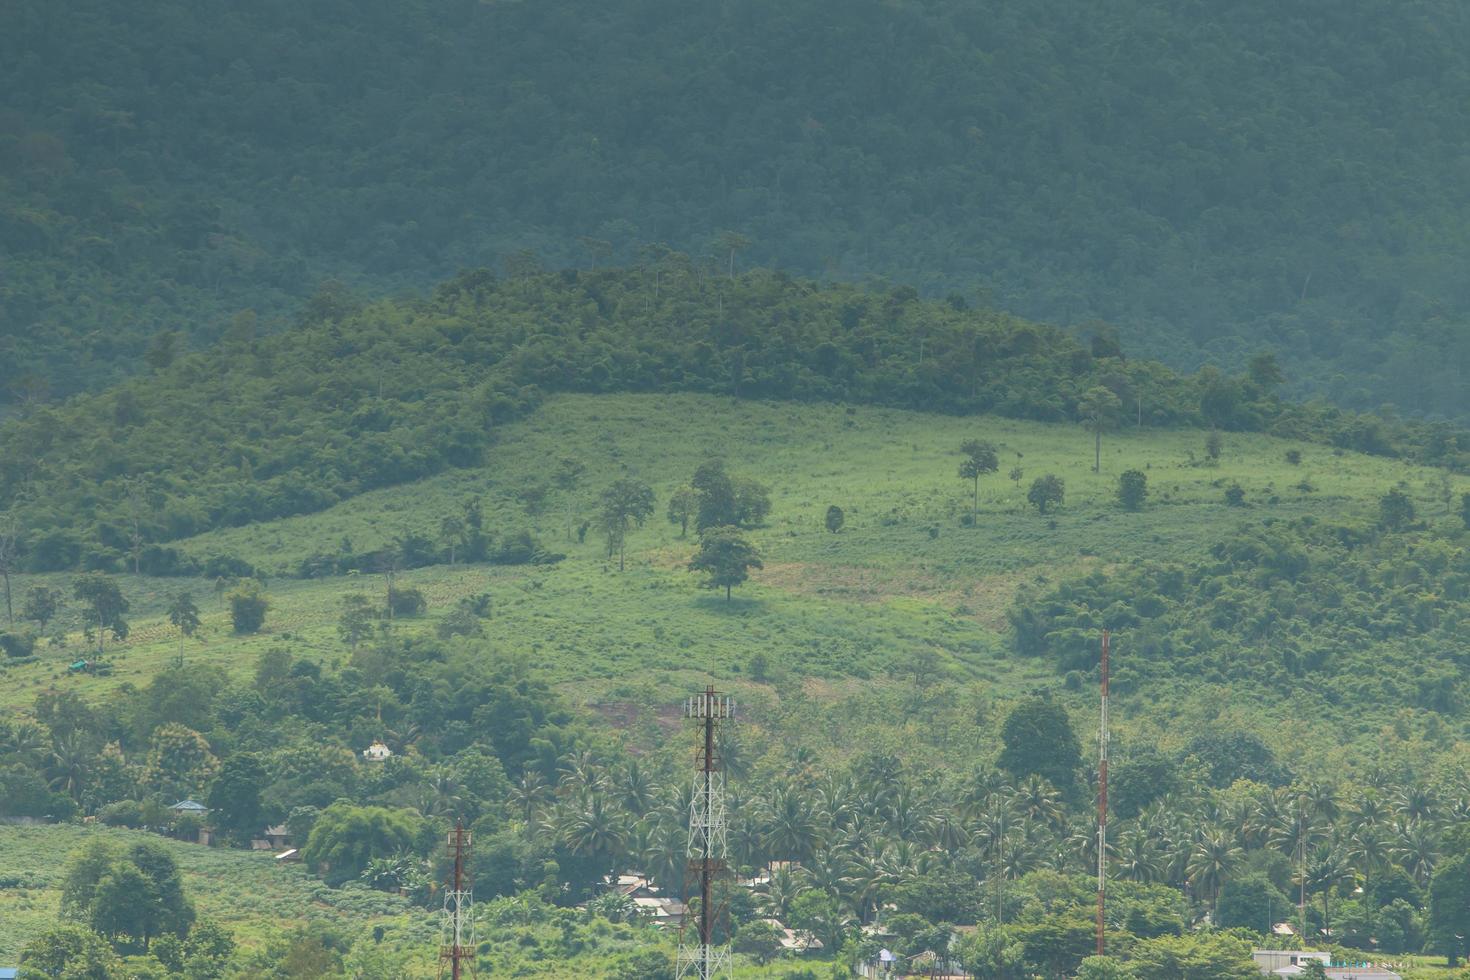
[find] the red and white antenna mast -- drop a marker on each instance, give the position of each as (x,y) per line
(457,948)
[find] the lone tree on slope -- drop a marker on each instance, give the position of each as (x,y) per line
(980,459)
(1098,410)
(184,616)
(726,557)
(1046,491)
(103,606)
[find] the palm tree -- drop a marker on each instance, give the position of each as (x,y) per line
(1368,850)
(1210,863)
(71,761)
(1325,871)
(907,816)
(790,831)
(594,829)
(869,879)
(778,893)
(1038,800)
(579,770)
(636,789)
(1136,857)
(440,795)
(1321,803)
(528,793)
(1416,850)
(27,742)
(1416,802)
(947,830)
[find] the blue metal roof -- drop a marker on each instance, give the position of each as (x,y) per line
(9,972)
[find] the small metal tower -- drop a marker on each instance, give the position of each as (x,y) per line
(704,959)
(457,946)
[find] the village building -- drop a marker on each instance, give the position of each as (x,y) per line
(271,839)
(1291,963)
(652,904)
(794,940)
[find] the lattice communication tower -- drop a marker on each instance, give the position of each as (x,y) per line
(699,955)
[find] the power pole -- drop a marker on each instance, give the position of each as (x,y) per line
(457,948)
(705,960)
(1102,799)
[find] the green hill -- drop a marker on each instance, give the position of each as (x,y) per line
(392,522)
(358,398)
(1213,182)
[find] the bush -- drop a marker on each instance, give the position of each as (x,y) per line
(123,813)
(248,607)
(18,644)
(227,566)
(407,602)
(1132,489)
(1234,495)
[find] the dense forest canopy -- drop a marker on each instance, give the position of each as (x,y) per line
(1213,180)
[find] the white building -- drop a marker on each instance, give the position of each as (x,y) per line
(1289,963)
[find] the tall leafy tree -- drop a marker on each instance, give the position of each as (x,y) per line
(716,496)
(184,616)
(683,507)
(725,557)
(103,606)
(624,505)
(1099,409)
(1037,738)
(980,458)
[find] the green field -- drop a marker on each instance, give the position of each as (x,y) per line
(249,892)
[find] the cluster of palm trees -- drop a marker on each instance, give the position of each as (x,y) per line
(858,836)
(65,761)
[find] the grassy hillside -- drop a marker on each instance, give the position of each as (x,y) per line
(1212,182)
(250,893)
(904,574)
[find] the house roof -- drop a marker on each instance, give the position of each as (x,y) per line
(9,972)
(798,941)
(190,806)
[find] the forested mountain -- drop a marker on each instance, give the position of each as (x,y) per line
(1213,180)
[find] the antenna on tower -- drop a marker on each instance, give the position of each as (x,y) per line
(1102,798)
(457,946)
(705,959)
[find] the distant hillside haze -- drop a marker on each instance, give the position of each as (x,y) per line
(1213,180)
